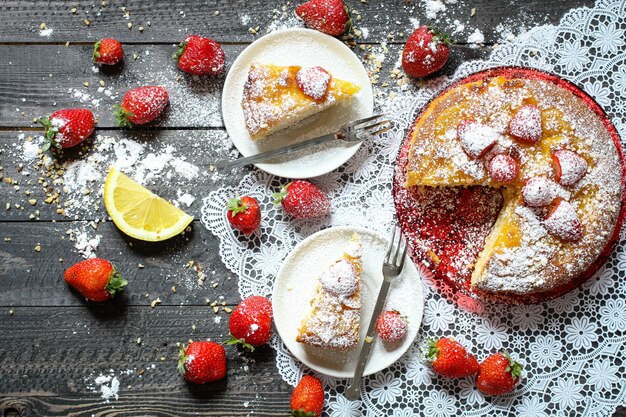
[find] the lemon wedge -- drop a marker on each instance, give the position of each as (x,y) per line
(140,213)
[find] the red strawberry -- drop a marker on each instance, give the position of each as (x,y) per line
(96,279)
(251,322)
(498,374)
(108,52)
(141,105)
(563,222)
(328,16)
(307,399)
(476,138)
(313,82)
(526,124)
(391,326)
(244,214)
(503,168)
(537,192)
(67,127)
(302,200)
(450,359)
(202,362)
(569,167)
(426,51)
(200,56)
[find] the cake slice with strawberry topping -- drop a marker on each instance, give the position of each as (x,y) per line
(276,97)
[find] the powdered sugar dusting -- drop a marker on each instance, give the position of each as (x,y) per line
(476,138)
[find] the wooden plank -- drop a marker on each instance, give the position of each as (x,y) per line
(36,80)
(169,23)
(56,354)
(157,154)
(35,278)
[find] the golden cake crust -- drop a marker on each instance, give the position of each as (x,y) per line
(520,257)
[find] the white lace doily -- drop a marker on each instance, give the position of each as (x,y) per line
(573,348)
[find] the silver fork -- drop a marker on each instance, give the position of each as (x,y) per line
(352,132)
(392,267)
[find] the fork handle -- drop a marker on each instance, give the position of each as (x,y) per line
(225,165)
(352,393)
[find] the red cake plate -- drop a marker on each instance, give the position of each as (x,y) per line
(456,220)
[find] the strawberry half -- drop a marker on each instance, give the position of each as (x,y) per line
(476,138)
(563,222)
(449,358)
(525,126)
(426,52)
(202,362)
(96,279)
(313,82)
(498,374)
(108,51)
(569,167)
(307,398)
(141,105)
(537,192)
(244,214)
(67,127)
(328,16)
(200,56)
(503,168)
(251,322)
(302,200)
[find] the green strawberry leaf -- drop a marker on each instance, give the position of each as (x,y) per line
(116,284)
(430,351)
(302,413)
(49,134)
(278,197)
(122,116)
(182,359)
(236,206)
(441,36)
(180,50)
(234,341)
(514,368)
(96,50)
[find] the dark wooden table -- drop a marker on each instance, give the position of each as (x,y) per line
(52,343)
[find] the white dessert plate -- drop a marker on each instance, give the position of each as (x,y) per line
(303,47)
(296,284)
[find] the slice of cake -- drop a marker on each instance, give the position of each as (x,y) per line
(335,315)
(276,97)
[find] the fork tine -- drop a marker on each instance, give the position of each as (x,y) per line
(369,127)
(406,246)
(393,237)
(383,130)
(364,120)
(395,256)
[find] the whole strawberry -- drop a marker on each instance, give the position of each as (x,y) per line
(307,399)
(328,16)
(450,359)
(108,52)
(67,127)
(244,214)
(202,362)
(426,51)
(302,200)
(141,105)
(200,56)
(251,322)
(498,374)
(391,326)
(96,279)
